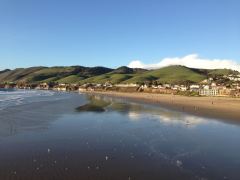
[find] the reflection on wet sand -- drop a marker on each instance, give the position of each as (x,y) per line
(136,111)
(95,104)
(126,140)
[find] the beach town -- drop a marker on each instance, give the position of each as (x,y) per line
(225,86)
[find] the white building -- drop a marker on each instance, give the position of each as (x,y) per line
(194,87)
(234,77)
(183,88)
(167,85)
(176,87)
(62,87)
(208,92)
(126,85)
(82,89)
(43,86)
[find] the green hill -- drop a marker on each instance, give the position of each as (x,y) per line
(79,74)
(46,74)
(221,72)
(127,70)
(170,74)
(18,74)
(118,75)
(109,77)
(70,79)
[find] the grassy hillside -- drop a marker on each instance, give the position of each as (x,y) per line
(70,74)
(170,74)
(80,74)
(118,75)
(70,79)
(127,70)
(18,74)
(110,77)
(221,72)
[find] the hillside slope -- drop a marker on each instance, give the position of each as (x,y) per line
(170,74)
(118,75)
(79,74)
(46,74)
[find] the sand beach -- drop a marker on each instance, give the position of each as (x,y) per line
(224,108)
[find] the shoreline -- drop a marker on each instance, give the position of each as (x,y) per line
(223,108)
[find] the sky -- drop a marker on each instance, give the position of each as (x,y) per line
(112,33)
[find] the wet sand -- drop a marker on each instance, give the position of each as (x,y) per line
(55,139)
(223,108)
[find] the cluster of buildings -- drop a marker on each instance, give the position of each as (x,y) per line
(211,89)
(208,87)
(219,90)
(233,77)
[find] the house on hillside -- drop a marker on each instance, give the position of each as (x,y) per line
(234,77)
(24,85)
(194,87)
(90,88)
(183,88)
(167,86)
(207,81)
(160,87)
(213,85)
(73,87)
(227,92)
(176,87)
(10,85)
(108,84)
(82,89)
(43,86)
(237,94)
(62,87)
(127,85)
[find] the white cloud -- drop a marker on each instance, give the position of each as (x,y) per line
(192,61)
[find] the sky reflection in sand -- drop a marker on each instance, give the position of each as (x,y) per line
(137,111)
(57,139)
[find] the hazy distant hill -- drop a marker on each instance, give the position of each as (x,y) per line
(80,74)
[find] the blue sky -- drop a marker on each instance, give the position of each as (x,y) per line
(115,32)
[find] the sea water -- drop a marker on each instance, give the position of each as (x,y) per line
(48,135)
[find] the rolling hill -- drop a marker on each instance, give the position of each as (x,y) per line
(170,74)
(118,75)
(79,74)
(48,74)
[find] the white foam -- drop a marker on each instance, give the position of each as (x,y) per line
(18,97)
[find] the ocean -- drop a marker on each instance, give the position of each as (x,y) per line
(47,135)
